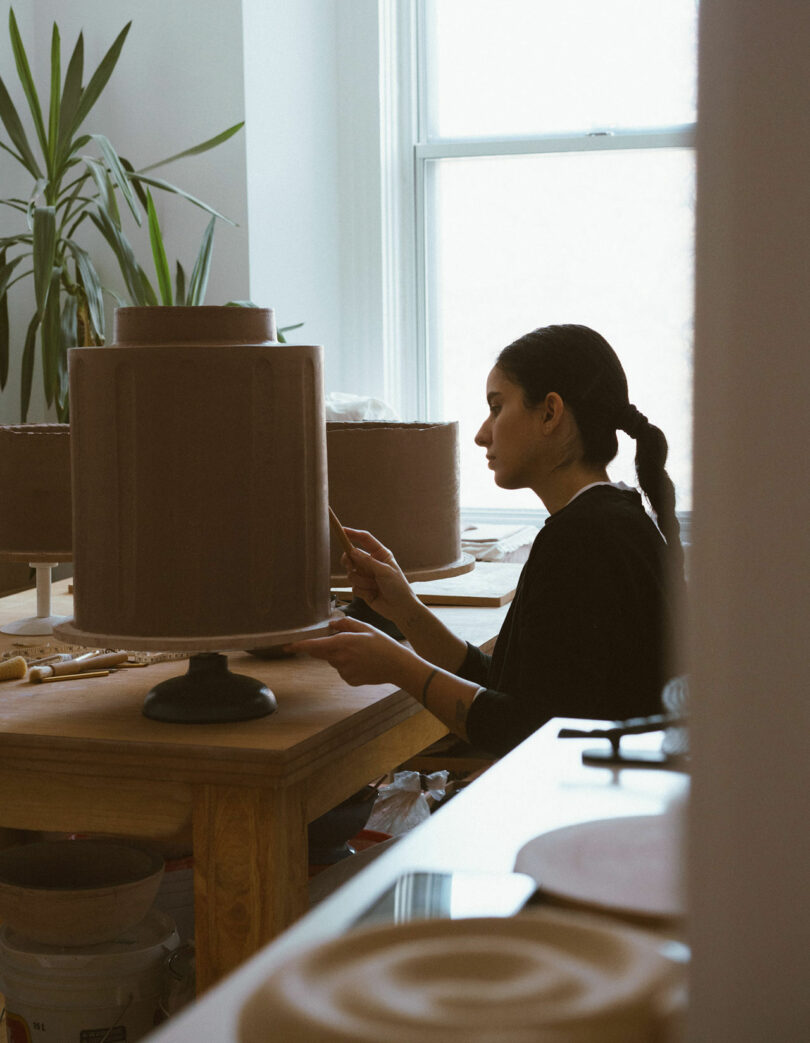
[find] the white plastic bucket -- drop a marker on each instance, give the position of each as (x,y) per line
(107,993)
(175,896)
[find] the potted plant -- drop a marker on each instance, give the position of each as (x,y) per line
(78,181)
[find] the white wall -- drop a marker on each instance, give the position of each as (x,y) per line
(313,161)
(750,805)
(292,146)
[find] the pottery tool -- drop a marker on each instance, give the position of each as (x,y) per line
(13,669)
(340,532)
(55,657)
(73,677)
(78,666)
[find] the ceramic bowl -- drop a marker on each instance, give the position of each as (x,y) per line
(76,892)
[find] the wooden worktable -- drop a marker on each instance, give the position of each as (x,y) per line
(79,756)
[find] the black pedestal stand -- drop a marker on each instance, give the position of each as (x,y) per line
(209,694)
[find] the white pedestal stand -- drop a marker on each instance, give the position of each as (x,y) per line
(43,622)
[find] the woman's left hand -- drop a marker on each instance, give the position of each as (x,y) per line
(360,653)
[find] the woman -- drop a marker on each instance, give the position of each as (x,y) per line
(587,633)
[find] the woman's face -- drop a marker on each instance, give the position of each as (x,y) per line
(512,434)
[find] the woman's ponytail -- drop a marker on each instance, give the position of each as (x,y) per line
(651,458)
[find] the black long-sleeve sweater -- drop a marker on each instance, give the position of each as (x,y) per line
(588,631)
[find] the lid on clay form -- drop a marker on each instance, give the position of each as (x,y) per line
(629,866)
(201,324)
(543,975)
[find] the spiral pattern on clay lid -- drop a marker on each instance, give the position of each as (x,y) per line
(541,976)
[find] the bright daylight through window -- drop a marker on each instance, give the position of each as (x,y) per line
(555,183)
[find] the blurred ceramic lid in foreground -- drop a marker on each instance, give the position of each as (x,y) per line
(541,976)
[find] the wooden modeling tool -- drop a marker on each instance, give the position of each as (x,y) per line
(340,532)
(73,677)
(77,667)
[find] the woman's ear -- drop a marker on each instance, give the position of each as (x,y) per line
(552,409)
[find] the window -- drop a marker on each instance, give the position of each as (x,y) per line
(553,171)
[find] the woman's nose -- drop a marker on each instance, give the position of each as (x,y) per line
(482,436)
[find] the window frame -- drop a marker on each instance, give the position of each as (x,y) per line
(412,381)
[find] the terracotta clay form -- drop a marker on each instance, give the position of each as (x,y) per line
(399,481)
(541,975)
(35,515)
(199,483)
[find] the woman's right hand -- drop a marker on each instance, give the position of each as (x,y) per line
(376,577)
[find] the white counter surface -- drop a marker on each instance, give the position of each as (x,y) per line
(540,786)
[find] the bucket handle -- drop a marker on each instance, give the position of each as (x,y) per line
(117,1021)
(180,987)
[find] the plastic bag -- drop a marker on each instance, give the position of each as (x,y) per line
(405,802)
(341,406)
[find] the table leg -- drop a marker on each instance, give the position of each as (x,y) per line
(250,872)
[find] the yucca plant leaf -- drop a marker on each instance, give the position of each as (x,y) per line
(4,341)
(240,304)
(118,173)
(98,81)
(15,204)
(137,186)
(20,277)
(92,287)
(75,205)
(149,295)
(164,277)
(15,240)
(56,97)
(286,329)
(79,143)
(198,283)
(130,269)
(44,254)
(14,128)
(50,335)
(27,369)
(39,186)
(195,150)
(180,284)
(71,94)
(157,182)
(11,152)
(27,81)
(107,200)
(7,269)
(70,311)
(69,338)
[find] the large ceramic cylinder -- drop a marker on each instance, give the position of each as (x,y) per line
(400,481)
(35,513)
(199,482)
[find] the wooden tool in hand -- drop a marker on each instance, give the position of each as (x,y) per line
(340,532)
